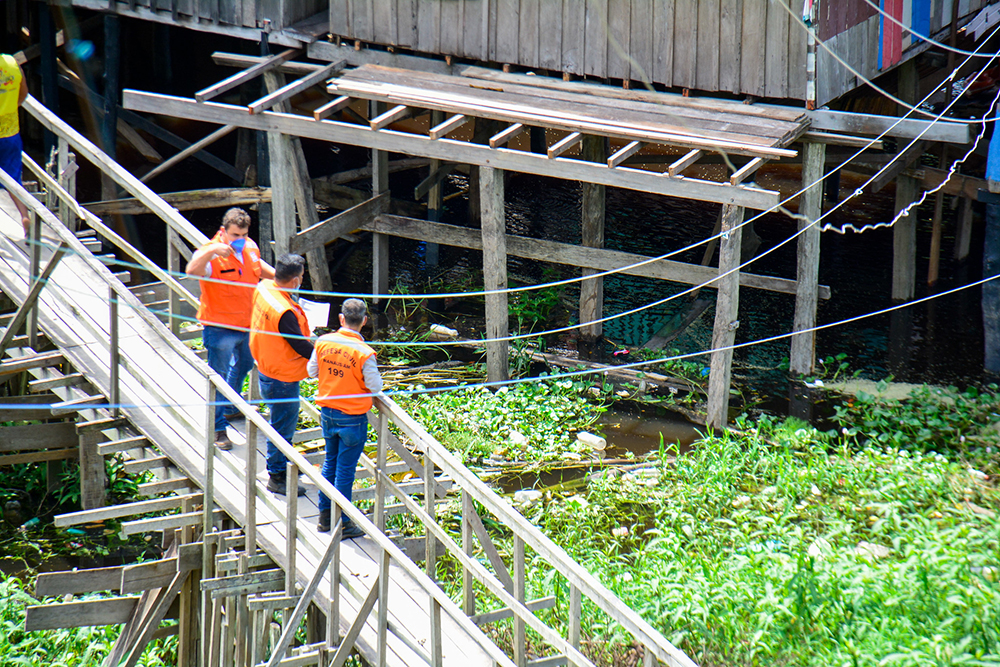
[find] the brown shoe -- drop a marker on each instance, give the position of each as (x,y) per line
(222,441)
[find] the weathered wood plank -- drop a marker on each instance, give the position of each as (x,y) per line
(36,436)
(550,34)
(596,40)
(508,29)
(753,47)
(428,27)
(119,511)
(185,201)
(726,312)
(641,41)
(78,581)
(730,44)
(494,242)
(38,456)
(686,43)
(709,47)
(144,576)
(573,37)
(860,123)
(573,255)
(663,42)
(111,611)
(803,345)
(619,38)
(343,223)
(528,33)
(451,27)
(776,51)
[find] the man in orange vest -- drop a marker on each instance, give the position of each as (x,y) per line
(348,376)
(279,341)
(230,268)
(13,92)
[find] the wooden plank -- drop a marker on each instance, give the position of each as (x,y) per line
(36,436)
(332,107)
(449,125)
(550,31)
(289,90)
(528,33)
(797,60)
(428,27)
(776,51)
(686,43)
(663,42)
(241,584)
(573,255)
(619,38)
(122,445)
(709,47)
(109,611)
(596,42)
(548,602)
(903,160)
(754,45)
(246,75)
(391,116)
(75,405)
(494,271)
(119,511)
(344,222)
(641,41)
(567,143)
(508,27)
(159,523)
(503,137)
(47,384)
(188,200)
(73,582)
(632,179)
(151,463)
(144,576)
(906,128)
(38,456)
(573,37)
(730,45)
(747,171)
(451,27)
(625,153)
(384,21)
(44,360)
(726,313)
(803,345)
(676,168)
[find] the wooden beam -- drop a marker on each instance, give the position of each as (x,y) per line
(188,200)
(746,171)
(903,161)
(47,384)
(344,222)
(164,522)
(500,614)
(248,74)
(435,177)
(36,436)
(331,107)
(122,445)
(449,125)
(21,364)
(677,167)
(119,511)
(153,574)
(38,456)
(625,153)
(565,144)
(109,611)
(188,152)
(573,255)
(391,116)
(292,89)
(802,357)
(76,405)
(491,188)
(905,128)
(37,285)
(78,581)
(503,137)
(841,140)
(455,151)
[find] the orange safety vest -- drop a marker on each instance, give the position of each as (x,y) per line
(228,305)
(340,357)
(10,89)
(275,357)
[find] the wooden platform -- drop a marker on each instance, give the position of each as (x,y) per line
(163,393)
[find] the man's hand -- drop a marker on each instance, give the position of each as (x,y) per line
(222,249)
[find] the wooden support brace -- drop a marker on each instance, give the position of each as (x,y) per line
(435,177)
(122,445)
(28,362)
(37,436)
(343,223)
(676,168)
(347,643)
(47,384)
(486,542)
(449,125)
(625,153)
(29,301)
(119,511)
(188,152)
(246,75)
(165,522)
(76,404)
(726,311)
(295,87)
(331,107)
(746,171)
(50,584)
(391,116)
(564,144)
(503,137)
(500,614)
(80,614)
(38,457)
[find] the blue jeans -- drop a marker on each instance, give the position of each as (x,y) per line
(284,418)
(345,440)
(229,356)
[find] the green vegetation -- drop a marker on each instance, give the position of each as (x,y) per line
(62,648)
(784,546)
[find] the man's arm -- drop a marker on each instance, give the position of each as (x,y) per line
(202,256)
(372,379)
(22,94)
(266,270)
(313,366)
(288,326)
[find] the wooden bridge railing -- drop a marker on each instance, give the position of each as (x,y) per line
(505,583)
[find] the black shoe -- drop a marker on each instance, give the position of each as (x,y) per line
(222,440)
(351,531)
(323,524)
(235,417)
(279,486)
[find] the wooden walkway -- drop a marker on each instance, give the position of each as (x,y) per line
(163,393)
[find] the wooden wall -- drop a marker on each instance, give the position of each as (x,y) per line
(746,47)
(241,13)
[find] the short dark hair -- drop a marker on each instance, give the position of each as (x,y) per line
(354,311)
(236,216)
(289,266)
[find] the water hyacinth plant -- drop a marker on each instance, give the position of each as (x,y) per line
(782,546)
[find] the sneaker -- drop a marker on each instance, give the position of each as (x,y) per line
(222,440)
(351,531)
(323,523)
(278,485)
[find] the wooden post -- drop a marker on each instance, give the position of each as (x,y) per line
(93,478)
(174,267)
(803,353)
(595,149)
(114,395)
(382,430)
(726,312)
(66,177)
(435,198)
(264,211)
(36,264)
(933,268)
(430,506)
(282,183)
(468,590)
(991,291)
(904,241)
(963,236)
(380,242)
(208,499)
(520,652)
(495,272)
(250,529)
(305,202)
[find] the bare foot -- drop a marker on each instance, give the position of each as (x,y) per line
(26,223)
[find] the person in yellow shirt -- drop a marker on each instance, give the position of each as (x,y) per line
(13,91)
(348,376)
(279,341)
(229,267)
